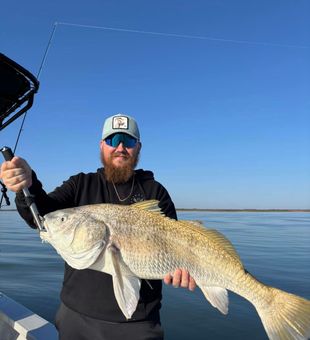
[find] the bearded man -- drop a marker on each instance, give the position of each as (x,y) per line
(88,307)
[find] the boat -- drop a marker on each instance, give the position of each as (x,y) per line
(19,323)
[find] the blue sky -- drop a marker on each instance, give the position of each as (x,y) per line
(225,120)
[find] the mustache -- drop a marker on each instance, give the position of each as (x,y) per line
(120,153)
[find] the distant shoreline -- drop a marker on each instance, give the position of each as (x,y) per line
(244,210)
(224,210)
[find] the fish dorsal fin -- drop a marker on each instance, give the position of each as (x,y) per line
(149,205)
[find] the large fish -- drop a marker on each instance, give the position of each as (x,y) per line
(137,241)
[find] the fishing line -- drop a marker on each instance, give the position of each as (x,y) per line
(38,77)
(172,35)
(185,36)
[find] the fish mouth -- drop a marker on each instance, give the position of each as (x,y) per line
(44,232)
(43,224)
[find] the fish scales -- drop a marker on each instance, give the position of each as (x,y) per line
(137,242)
(142,244)
(151,250)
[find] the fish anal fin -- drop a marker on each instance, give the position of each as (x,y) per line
(217,296)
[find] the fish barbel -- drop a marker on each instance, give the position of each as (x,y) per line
(134,242)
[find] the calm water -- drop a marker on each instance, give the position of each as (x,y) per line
(275,247)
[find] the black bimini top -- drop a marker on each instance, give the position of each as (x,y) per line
(17,89)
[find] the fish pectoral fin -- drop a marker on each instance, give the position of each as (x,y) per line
(126,287)
(217,296)
(127,293)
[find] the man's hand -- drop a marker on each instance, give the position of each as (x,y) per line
(180,278)
(16,174)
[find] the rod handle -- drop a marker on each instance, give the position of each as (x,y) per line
(7,153)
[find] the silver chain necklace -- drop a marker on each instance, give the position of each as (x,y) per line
(117,194)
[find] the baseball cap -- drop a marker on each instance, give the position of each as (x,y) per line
(120,123)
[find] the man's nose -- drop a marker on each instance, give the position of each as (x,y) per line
(120,147)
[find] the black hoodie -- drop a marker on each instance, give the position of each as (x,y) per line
(88,291)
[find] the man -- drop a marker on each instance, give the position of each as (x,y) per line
(89,309)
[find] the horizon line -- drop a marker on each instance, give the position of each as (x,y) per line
(245,209)
(222,209)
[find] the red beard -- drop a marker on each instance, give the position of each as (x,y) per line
(119,174)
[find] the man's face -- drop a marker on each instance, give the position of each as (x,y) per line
(119,162)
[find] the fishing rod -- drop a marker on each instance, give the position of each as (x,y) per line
(17,93)
(18,89)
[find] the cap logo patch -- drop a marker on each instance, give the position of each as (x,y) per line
(120,123)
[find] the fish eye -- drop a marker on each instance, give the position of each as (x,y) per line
(63,219)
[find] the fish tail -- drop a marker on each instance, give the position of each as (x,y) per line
(285,316)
